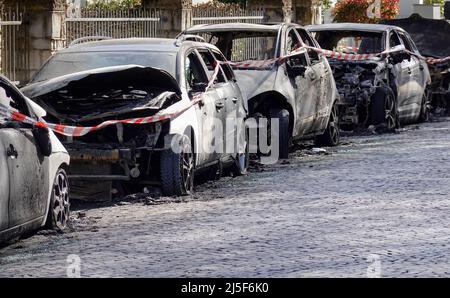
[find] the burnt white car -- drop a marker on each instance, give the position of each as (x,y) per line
(300,91)
(34,188)
(89,83)
(385,90)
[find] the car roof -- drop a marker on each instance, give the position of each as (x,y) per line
(236,26)
(135,44)
(352,27)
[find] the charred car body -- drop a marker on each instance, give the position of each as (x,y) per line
(300,91)
(89,83)
(34,188)
(432,38)
(383,91)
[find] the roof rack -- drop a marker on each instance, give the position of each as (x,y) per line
(88,39)
(190,37)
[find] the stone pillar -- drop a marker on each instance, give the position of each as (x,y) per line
(176,15)
(45,26)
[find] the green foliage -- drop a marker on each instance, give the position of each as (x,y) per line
(240,2)
(115,4)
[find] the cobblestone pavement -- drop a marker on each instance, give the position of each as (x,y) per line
(316,215)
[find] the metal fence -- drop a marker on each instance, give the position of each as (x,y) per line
(113,23)
(231,15)
(244,48)
(14,43)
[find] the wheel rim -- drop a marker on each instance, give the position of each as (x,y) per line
(390,112)
(334,125)
(188,170)
(61,204)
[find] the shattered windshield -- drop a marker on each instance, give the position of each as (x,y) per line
(352,42)
(242,46)
(66,63)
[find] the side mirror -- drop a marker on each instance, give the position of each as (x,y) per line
(199,87)
(398,54)
(295,69)
(42,138)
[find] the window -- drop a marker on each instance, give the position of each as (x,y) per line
(351,42)
(394,40)
(405,42)
(225,67)
(292,42)
(210,62)
(194,72)
(71,62)
(308,41)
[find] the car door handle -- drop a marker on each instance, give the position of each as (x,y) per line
(11,152)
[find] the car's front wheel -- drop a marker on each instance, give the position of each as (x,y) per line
(59,209)
(425,106)
(383,109)
(177,168)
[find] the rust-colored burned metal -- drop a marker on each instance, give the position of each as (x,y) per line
(94,155)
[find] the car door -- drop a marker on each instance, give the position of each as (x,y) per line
(416,82)
(209,110)
(402,73)
(324,81)
(307,85)
(4,185)
(225,101)
(27,168)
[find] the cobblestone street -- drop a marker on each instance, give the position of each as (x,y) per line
(314,216)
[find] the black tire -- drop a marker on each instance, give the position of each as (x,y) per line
(425,112)
(283,134)
(242,160)
(332,135)
(177,169)
(59,209)
(383,109)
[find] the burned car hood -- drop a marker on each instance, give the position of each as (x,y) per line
(113,75)
(105,93)
(432,37)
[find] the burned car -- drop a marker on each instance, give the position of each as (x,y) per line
(34,188)
(89,83)
(389,87)
(432,38)
(281,79)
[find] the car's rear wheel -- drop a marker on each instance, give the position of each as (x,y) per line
(332,135)
(283,132)
(177,169)
(59,209)
(242,161)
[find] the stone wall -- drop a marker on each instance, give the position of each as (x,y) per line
(44,21)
